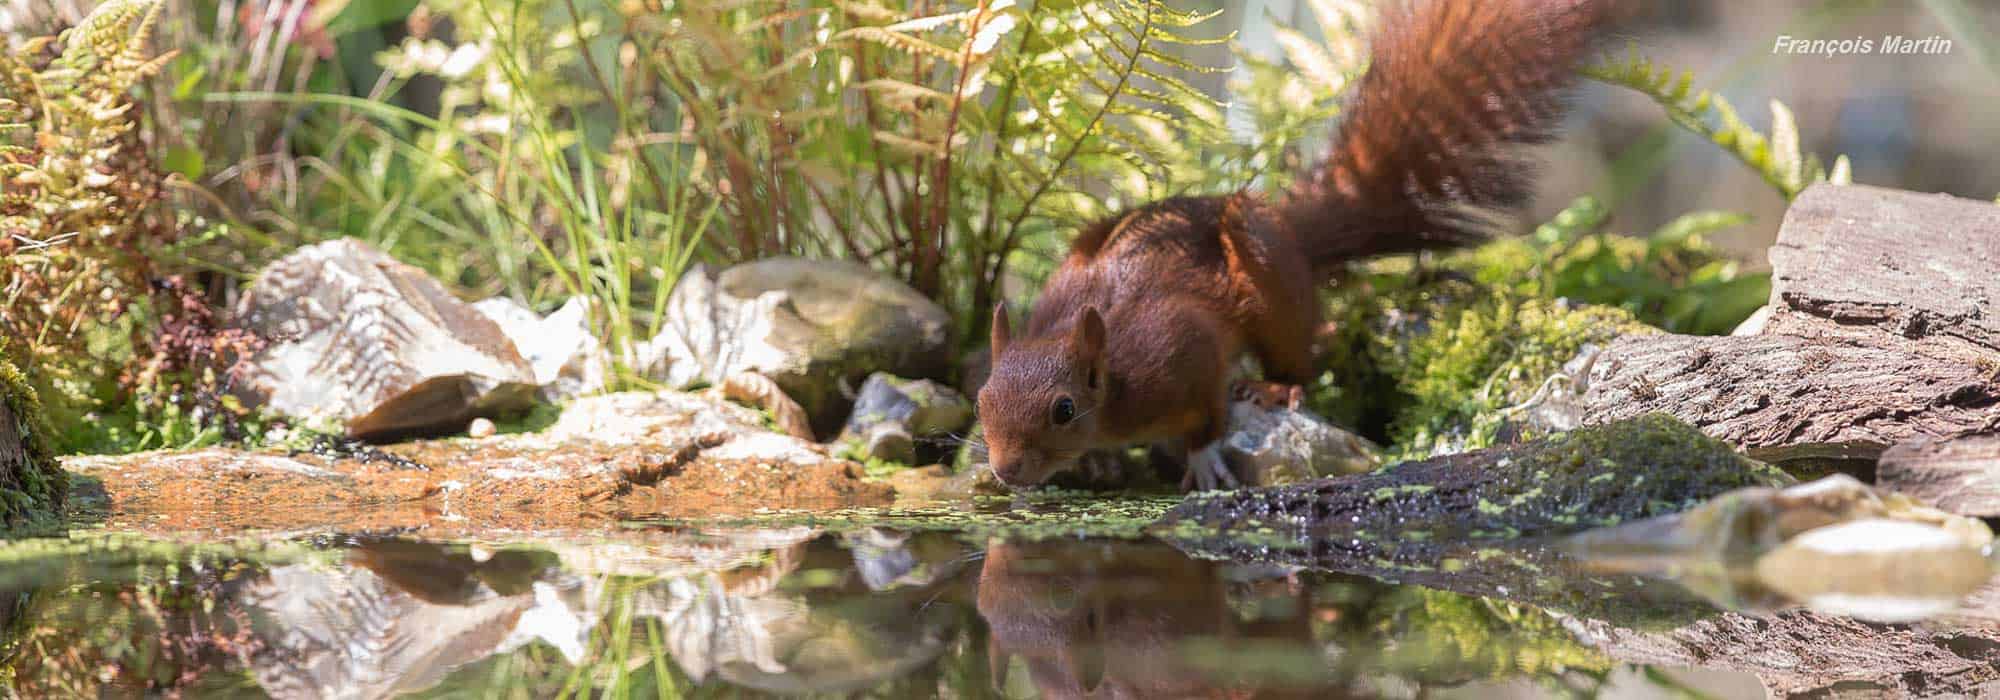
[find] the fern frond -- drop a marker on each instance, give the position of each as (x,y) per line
(899,41)
(1778,159)
(1136,78)
(1311,58)
(867,11)
(909,145)
(934,22)
(904,95)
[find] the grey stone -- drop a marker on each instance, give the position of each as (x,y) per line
(375,346)
(1877,569)
(892,414)
(1269,447)
(810,325)
(1745,524)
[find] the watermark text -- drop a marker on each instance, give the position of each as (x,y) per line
(1887,44)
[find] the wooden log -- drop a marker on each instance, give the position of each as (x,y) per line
(1855,261)
(1881,331)
(1961,476)
(1774,391)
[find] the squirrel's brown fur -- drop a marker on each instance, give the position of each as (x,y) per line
(1135,334)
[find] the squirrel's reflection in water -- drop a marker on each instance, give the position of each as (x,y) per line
(1140,620)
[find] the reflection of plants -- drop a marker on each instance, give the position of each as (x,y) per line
(1453,636)
(131,627)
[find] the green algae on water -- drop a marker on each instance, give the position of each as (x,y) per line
(1032,516)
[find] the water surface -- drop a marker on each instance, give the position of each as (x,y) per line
(930,607)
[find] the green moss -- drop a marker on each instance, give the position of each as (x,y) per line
(542,415)
(1449,357)
(32,488)
(1429,355)
(874,467)
(1673,279)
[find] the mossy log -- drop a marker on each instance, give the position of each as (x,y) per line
(1881,331)
(32,486)
(1475,522)
(1485,521)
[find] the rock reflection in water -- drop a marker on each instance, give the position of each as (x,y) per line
(402,617)
(1834,545)
(739,623)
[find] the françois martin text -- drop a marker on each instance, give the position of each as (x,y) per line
(1887,44)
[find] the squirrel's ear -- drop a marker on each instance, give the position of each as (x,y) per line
(1088,337)
(1000,329)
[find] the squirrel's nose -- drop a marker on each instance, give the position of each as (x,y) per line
(1010,472)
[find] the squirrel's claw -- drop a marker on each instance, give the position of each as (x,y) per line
(1207,471)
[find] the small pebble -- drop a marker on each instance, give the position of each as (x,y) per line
(481,427)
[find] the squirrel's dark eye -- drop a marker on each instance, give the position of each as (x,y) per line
(1063,412)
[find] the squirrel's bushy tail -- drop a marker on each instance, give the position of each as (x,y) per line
(1429,143)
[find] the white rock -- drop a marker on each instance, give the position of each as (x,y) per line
(481,427)
(809,325)
(567,357)
(375,345)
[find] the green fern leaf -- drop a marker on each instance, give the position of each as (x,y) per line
(1777,159)
(904,95)
(900,42)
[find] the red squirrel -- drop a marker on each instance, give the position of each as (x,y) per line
(1135,334)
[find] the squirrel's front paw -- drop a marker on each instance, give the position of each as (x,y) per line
(1207,471)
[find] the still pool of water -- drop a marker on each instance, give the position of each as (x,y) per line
(837,607)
